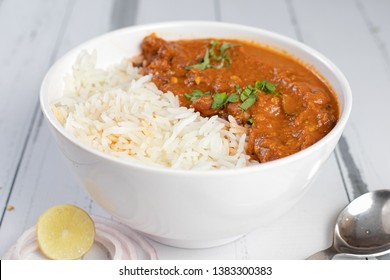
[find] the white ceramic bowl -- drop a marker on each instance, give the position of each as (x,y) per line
(193,208)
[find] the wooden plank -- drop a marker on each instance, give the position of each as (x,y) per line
(43,180)
(123,13)
(376,16)
(271,15)
(365,152)
(27,30)
(85,23)
(173,10)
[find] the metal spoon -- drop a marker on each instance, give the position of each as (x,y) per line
(362,228)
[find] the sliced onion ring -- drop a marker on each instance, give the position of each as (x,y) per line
(118,239)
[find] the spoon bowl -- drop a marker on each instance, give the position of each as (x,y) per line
(362,228)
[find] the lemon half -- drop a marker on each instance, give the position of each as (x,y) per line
(65,232)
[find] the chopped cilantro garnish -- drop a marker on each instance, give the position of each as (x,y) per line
(276,94)
(246,93)
(232,98)
(196,94)
(204,64)
(224,47)
(220,99)
(213,44)
(210,55)
(267,87)
(248,96)
(238,88)
(249,101)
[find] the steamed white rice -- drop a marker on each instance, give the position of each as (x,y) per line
(122,113)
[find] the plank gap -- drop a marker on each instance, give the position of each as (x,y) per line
(124,13)
(294,20)
(217,9)
(36,116)
(24,147)
(373,32)
(338,161)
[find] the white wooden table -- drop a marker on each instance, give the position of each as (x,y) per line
(355,34)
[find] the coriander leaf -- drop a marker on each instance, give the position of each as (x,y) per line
(250,121)
(224,55)
(238,88)
(269,87)
(196,94)
(232,98)
(227,62)
(210,55)
(224,47)
(249,102)
(245,93)
(219,66)
(276,94)
(219,99)
(204,64)
(213,44)
(259,85)
(265,86)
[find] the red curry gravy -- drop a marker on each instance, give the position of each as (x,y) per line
(290,106)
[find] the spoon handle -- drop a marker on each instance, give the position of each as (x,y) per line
(326,254)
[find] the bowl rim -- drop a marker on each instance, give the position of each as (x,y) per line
(337,130)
